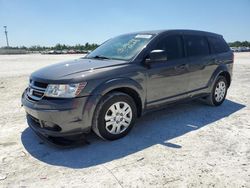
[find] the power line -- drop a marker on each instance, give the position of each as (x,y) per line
(6,35)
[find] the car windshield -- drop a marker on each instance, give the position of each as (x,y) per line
(123,47)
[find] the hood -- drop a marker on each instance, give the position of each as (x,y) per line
(59,71)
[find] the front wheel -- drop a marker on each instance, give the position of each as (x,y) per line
(115,116)
(219,92)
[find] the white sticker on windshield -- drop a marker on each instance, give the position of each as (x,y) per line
(142,36)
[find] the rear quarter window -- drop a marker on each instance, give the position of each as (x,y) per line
(218,45)
(196,45)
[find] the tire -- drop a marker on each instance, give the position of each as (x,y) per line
(219,92)
(114,116)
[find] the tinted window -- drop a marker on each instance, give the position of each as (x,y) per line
(218,45)
(196,45)
(172,46)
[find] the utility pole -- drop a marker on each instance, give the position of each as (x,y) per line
(6,35)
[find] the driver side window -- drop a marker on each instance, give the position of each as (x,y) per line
(172,45)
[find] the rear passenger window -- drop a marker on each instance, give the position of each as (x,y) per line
(172,45)
(196,45)
(218,45)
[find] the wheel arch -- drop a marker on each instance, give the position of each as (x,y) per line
(127,86)
(222,70)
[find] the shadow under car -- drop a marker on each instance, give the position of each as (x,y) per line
(155,128)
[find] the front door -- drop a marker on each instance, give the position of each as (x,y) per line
(167,80)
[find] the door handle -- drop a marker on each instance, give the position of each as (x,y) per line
(181,67)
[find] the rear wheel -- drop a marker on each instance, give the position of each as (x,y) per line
(219,92)
(115,116)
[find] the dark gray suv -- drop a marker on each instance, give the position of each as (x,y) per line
(124,78)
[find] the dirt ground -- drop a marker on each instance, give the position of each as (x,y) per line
(186,145)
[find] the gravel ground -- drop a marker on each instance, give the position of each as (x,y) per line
(186,145)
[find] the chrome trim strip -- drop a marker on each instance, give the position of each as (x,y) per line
(36,89)
(34,97)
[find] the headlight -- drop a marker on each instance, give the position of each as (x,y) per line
(64,90)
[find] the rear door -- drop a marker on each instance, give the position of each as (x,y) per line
(200,66)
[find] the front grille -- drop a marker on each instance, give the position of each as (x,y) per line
(36,90)
(40,84)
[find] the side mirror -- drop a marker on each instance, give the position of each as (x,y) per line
(156,56)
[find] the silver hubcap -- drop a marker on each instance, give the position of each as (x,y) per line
(220,91)
(118,117)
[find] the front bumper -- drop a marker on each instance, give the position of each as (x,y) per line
(57,117)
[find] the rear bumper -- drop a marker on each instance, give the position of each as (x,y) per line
(58,117)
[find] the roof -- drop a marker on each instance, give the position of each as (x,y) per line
(180,31)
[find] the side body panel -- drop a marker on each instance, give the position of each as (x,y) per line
(195,79)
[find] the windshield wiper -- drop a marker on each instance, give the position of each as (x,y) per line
(100,57)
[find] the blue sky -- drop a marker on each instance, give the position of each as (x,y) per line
(47,22)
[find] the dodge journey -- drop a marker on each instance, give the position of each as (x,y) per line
(125,77)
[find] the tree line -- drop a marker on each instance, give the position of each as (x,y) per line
(239,44)
(87,46)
